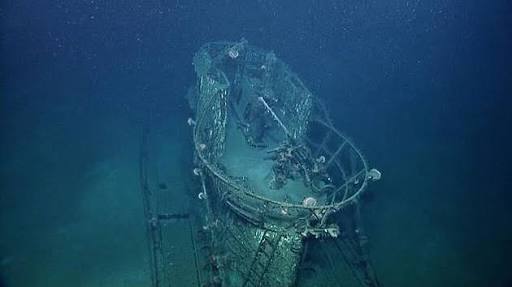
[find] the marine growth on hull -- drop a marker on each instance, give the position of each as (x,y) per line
(274,170)
(279,186)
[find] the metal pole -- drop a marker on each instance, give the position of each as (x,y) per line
(286,131)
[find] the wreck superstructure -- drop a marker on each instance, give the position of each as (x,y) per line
(274,172)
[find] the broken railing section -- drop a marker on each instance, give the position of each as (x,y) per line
(345,254)
(152,235)
(160,263)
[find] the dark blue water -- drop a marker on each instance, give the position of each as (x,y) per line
(422,87)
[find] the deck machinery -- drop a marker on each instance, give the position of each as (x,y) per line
(275,175)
